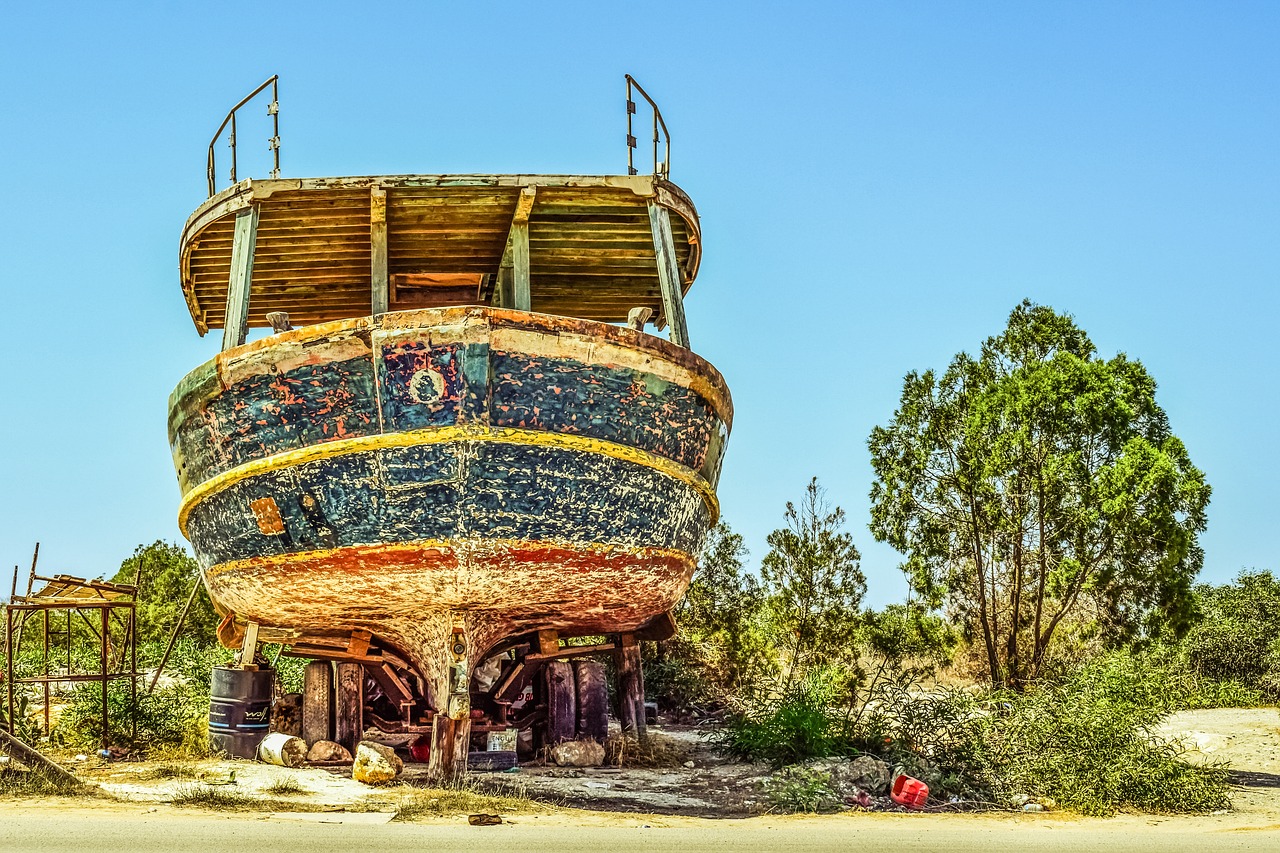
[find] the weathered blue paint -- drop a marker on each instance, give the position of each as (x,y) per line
(460,490)
(418,384)
(617,404)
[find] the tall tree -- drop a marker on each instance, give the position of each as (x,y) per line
(722,615)
(165,575)
(815,585)
(1035,482)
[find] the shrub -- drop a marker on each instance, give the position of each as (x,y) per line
(801,789)
(1088,742)
(800,725)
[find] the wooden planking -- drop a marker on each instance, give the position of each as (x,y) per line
(590,248)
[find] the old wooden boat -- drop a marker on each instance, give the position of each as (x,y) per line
(469,450)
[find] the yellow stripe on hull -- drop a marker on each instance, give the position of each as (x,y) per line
(446,435)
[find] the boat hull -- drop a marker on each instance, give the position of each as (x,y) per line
(536,471)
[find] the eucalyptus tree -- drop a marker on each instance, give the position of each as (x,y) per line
(815,585)
(1034,484)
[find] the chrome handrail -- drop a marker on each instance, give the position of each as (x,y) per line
(273,110)
(661,168)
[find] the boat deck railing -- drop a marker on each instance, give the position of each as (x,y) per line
(273,144)
(661,168)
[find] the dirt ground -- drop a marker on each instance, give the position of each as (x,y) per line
(705,784)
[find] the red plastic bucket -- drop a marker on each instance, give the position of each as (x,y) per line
(909,792)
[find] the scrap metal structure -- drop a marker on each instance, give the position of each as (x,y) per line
(471,449)
(57,608)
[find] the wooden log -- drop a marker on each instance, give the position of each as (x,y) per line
(34,761)
(317,702)
(669,274)
(236,327)
(348,705)
(630,687)
(450,743)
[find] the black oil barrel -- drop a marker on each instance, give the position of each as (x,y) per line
(239,710)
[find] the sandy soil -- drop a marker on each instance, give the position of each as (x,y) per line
(1248,740)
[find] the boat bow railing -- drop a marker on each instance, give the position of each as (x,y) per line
(273,110)
(661,168)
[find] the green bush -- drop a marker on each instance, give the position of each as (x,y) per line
(801,789)
(799,725)
(1235,639)
(1086,741)
(173,720)
(1089,743)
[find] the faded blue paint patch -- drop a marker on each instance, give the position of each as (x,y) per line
(613,403)
(422,385)
(485,490)
(273,412)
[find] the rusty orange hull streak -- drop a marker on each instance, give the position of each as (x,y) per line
(520,586)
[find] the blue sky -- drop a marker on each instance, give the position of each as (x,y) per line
(879,184)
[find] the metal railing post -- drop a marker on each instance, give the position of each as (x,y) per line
(661,168)
(273,110)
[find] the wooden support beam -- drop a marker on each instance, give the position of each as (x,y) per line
(380,281)
(669,276)
(549,642)
(630,687)
(348,709)
(513,289)
(236,328)
(249,648)
(36,762)
(317,701)
(450,743)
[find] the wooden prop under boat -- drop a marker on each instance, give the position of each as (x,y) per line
(458,449)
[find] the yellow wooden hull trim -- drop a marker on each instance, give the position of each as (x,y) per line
(446,435)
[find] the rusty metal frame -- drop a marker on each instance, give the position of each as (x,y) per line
(273,110)
(122,609)
(661,168)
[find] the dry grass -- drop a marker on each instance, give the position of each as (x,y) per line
(15,782)
(220,798)
(656,751)
(284,787)
(170,771)
(411,803)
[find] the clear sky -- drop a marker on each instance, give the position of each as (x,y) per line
(879,184)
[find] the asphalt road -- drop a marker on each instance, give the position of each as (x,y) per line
(47,830)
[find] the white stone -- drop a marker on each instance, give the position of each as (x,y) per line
(375,764)
(578,753)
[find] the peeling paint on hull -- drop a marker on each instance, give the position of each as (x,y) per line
(532,471)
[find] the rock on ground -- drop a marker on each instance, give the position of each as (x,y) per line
(375,763)
(578,753)
(327,750)
(848,776)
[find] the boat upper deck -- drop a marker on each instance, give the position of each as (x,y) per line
(324,249)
